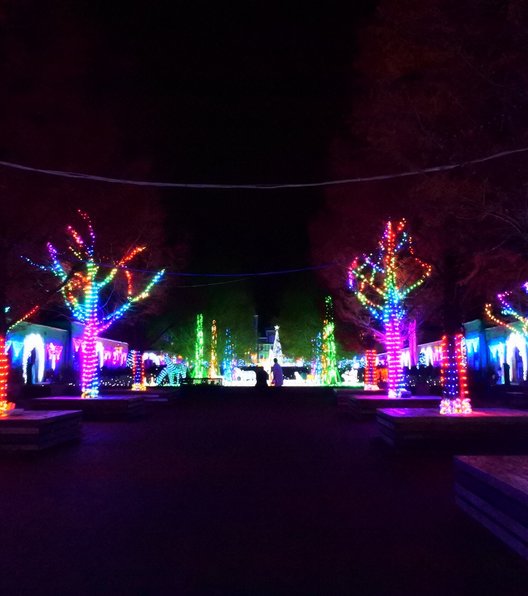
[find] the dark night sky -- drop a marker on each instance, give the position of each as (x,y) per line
(201,92)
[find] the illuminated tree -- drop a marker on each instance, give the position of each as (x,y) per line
(91,292)
(199,369)
(213,360)
(228,363)
(382,282)
(317,365)
(329,372)
(276,350)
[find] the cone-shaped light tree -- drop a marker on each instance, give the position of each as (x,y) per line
(86,292)
(276,350)
(382,281)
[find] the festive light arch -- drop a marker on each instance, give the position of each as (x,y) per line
(34,341)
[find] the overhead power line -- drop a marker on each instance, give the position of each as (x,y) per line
(261,186)
(222,275)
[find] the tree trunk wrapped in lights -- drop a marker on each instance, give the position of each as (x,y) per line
(86,292)
(382,282)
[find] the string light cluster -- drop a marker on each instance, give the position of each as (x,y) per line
(453,375)
(381,282)
(370,371)
(83,284)
(507,310)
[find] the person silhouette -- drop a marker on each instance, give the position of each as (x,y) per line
(276,371)
(262,377)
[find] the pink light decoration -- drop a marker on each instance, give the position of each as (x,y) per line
(54,354)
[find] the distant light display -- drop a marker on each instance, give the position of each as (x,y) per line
(276,350)
(199,369)
(213,360)
(382,281)
(83,284)
(228,362)
(330,374)
(317,363)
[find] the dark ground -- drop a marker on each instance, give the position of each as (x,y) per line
(242,496)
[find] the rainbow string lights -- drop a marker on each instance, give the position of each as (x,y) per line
(454,376)
(82,290)
(138,371)
(382,282)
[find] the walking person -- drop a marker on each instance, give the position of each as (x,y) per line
(276,372)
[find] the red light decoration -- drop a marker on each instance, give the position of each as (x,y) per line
(453,376)
(4,370)
(370,370)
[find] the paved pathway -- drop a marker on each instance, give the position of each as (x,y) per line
(241,496)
